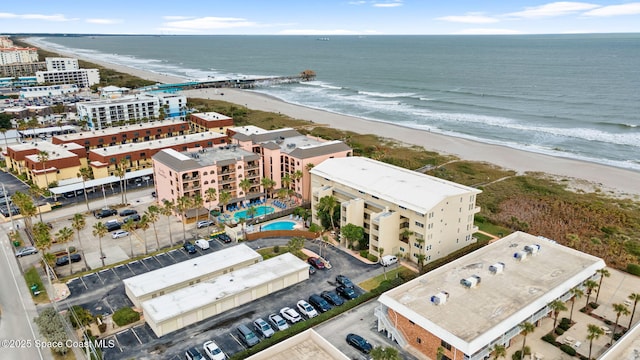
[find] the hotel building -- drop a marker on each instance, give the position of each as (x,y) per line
(13,55)
(406,213)
(61,64)
(130,109)
(187,173)
(468,306)
(84,78)
(21,69)
(286,152)
(210,121)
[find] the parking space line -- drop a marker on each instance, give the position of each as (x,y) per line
(238,341)
(83,283)
(172,258)
(99,278)
(155,257)
(115,273)
(133,272)
(145,265)
(118,342)
(136,335)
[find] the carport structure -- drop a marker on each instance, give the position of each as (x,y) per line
(176,310)
(165,280)
(75,185)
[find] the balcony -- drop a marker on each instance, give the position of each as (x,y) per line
(226,180)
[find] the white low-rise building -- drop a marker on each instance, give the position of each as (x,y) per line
(84,78)
(61,63)
(52,90)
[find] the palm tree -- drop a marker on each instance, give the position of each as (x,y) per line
(63,236)
(384,353)
(123,166)
(184,204)
(100,230)
(328,204)
(556,307)
(286,181)
(197,202)
(4,133)
(129,226)
(527,328)
(85,174)
(79,223)
(27,208)
(634,297)
(268,184)
(119,172)
(245,185)
(143,224)
(576,293)
(603,274)
(619,309)
(593,333)
(167,209)
(224,198)
(210,196)
(43,157)
(297,176)
(499,351)
(591,287)
(36,193)
(152,214)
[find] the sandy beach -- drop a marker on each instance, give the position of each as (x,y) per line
(611,180)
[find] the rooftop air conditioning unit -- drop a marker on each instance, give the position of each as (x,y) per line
(532,249)
(520,255)
(440,298)
(496,268)
(471,282)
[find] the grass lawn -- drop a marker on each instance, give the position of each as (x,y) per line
(31,276)
(494,229)
(374,282)
(481,237)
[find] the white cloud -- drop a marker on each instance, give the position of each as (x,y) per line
(469,19)
(488,32)
(395,3)
(176,17)
(209,23)
(54,17)
(104,21)
(357,2)
(553,9)
(615,10)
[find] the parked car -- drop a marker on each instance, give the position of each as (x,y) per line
(316,263)
(119,234)
(359,343)
(346,292)
(193,354)
(213,351)
(263,327)
(64,260)
(224,238)
(306,309)
(290,315)
(27,250)
(204,223)
(312,270)
(202,244)
(332,298)
(128,212)
(278,322)
(134,218)
(388,260)
(319,303)
(189,248)
(344,281)
(99,214)
(113,225)
(247,336)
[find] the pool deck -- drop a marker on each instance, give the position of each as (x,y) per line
(231,215)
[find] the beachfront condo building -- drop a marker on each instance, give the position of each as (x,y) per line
(134,156)
(44,163)
(405,213)
(20,69)
(61,64)
(210,121)
(227,169)
(84,78)
(132,109)
(13,55)
(287,155)
(466,307)
(120,135)
(5,42)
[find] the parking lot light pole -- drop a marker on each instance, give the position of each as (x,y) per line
(104,196)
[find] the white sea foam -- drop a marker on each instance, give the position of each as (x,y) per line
(386,95)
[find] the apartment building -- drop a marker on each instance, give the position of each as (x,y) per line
(61,64)
(138,155)
(5,42)
(288,155)
(13,55)
(419,217)
(187,173)
(21,69)
(101,114)
(84,78)
(125,134)
(468,306)
(210,121)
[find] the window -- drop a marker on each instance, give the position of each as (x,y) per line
(419,341)
(445,344)
(419,224)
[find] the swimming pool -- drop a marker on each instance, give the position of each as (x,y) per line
(279,225)
(260,210)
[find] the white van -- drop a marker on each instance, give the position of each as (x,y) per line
(388,260)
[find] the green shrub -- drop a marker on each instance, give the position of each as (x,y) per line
(559,330)
(550,338)
(568,349)
(564,326)
(565,320)
(79,316)
(276,249)
(125,316)
(372,258)
(593,305)
(633,269)
(364,253)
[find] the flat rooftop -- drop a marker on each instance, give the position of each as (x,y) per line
(407,188)
(183,161)
(472,317)
(121,129)
(129,99)
(204,293)
(308,345)
(211,116)
(248,130)
(195,268)
(54,151)
(157,144)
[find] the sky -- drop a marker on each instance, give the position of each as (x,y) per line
(320,17)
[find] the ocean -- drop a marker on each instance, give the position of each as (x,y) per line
(574,96)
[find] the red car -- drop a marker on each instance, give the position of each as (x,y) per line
(316,263)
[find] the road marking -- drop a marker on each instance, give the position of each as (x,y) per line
(115,273)
(136,335)
(237,340)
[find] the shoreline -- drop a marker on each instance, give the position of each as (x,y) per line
(583,175)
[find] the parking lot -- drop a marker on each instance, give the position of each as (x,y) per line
(103,293)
